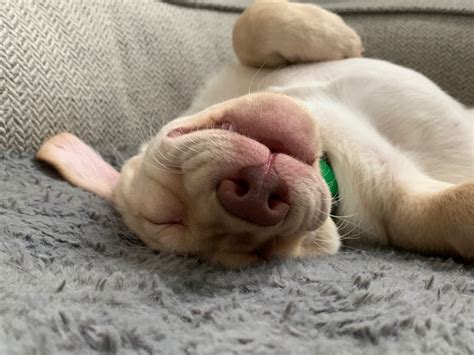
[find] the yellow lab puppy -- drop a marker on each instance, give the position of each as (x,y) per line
(245,176)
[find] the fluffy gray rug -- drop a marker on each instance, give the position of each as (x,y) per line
(74,280)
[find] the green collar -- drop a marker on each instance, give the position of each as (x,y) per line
(328,175)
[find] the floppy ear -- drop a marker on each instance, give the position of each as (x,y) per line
(79,164)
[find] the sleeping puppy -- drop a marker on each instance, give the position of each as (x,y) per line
(247,173)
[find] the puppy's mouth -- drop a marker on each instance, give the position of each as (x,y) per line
(280,138)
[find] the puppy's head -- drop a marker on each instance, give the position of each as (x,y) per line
(236,183)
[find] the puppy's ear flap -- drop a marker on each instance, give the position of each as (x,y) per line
(79,164)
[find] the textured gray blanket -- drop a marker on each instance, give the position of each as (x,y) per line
(74,280)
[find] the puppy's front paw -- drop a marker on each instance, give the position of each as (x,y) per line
(323,241)
(274,33)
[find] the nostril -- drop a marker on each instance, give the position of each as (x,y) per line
(241,187)
(274,200)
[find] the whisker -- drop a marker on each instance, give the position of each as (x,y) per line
(269,76)
(255,75)
(352,248)
(162,167)
(153,149)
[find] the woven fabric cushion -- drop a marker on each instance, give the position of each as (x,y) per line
(113,72)
(109,71)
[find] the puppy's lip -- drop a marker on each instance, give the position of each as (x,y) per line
(275,146)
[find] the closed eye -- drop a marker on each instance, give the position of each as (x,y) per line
(177,222)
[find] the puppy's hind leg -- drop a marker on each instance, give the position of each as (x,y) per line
(272,33)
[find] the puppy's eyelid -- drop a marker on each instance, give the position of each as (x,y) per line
(177,222)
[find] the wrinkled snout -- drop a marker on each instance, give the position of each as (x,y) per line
(258,153)
(255,194)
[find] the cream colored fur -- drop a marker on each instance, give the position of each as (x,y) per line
(402,151)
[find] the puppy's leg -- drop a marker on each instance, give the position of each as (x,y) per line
(274,32)
(386,198)
(433,222)
(323,241)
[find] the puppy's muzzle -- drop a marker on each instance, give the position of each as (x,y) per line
(271,144)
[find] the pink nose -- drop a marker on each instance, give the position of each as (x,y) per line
(255,195)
